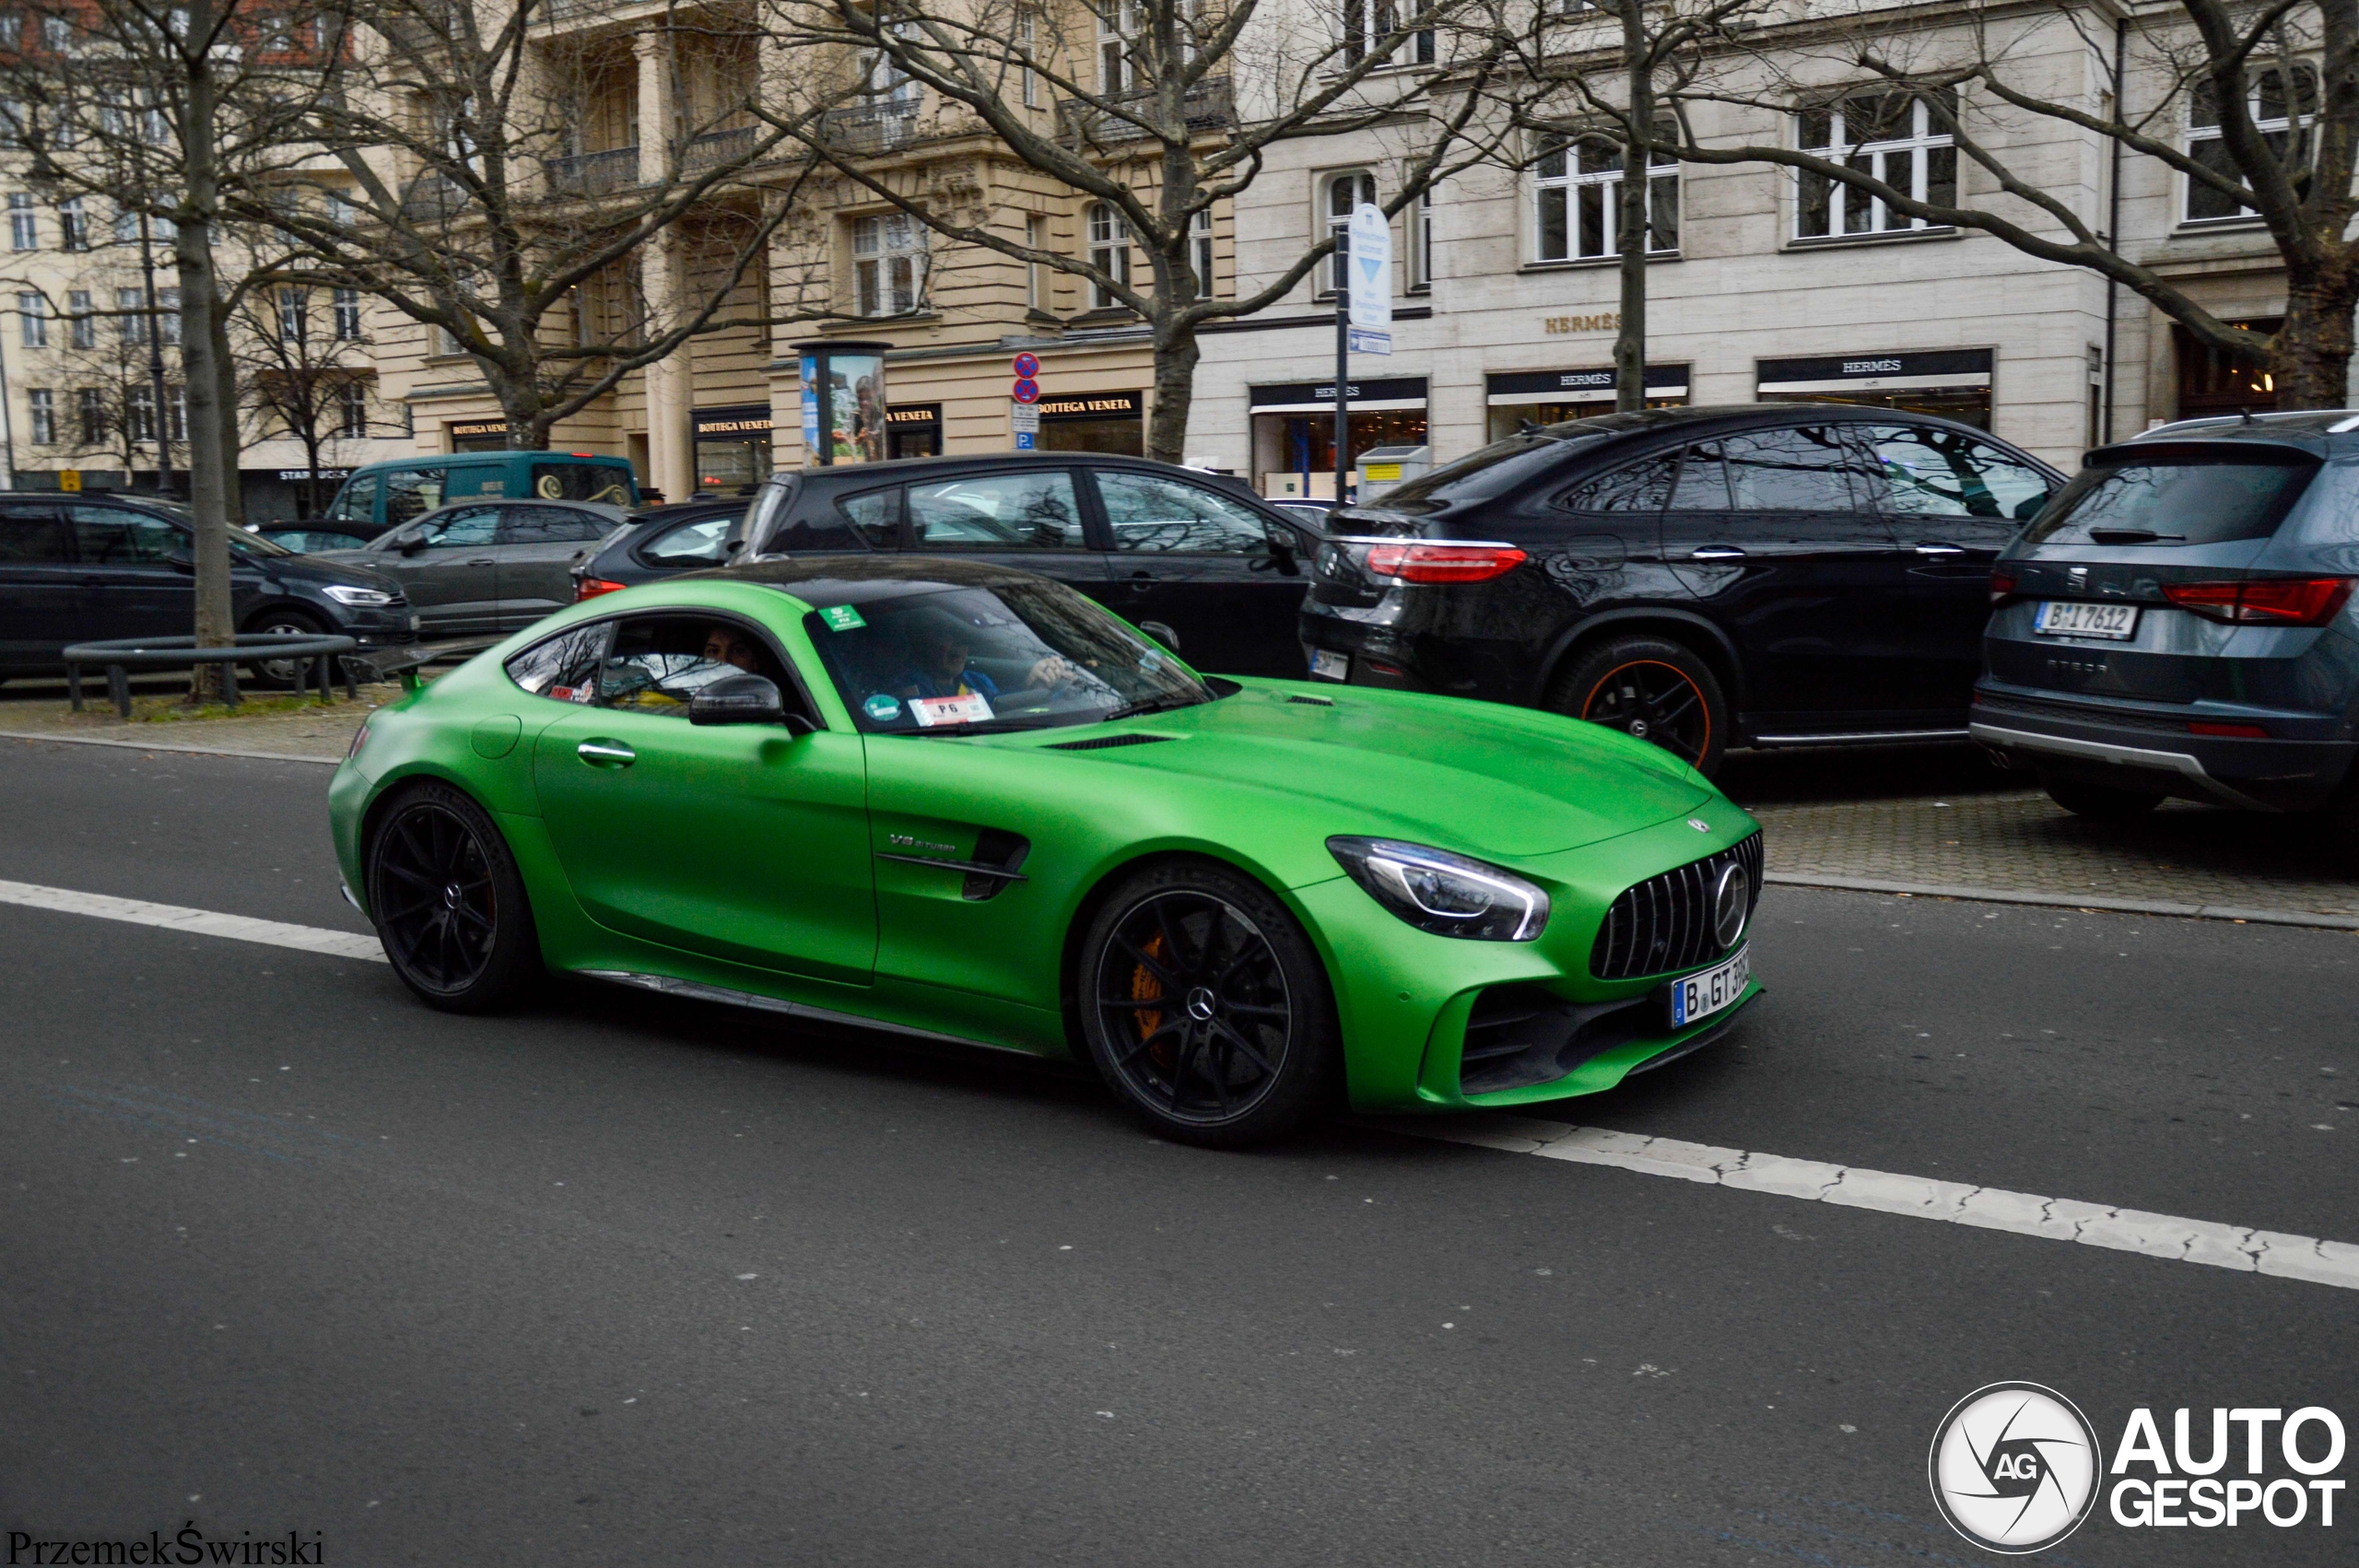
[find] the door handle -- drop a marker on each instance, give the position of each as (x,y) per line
(485,561)
(599,751)
(1141,580)
(1717,553)
(1940,549)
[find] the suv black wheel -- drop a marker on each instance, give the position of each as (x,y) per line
(449,903)
(1205,1007)
(2098,802)
(1651,688)
(282,674)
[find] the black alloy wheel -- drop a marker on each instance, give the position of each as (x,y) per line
(1652,690)
(448,902)
(1205,1007)
(281,674)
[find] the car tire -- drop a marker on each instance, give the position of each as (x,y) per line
(1205,1007)
(1651,688)
(281,674)
(449,903)
(2099,802)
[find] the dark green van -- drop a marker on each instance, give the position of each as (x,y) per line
(386,495)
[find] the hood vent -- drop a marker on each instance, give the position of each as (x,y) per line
(1102,742)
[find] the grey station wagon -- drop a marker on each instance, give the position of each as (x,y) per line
(2179,622)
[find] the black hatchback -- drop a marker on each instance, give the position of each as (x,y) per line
(1199,553)
(1703,578)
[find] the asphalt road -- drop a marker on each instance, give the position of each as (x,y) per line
(623,1280)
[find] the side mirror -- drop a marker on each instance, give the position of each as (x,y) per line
(411,544)
(738,699)
(1162,634)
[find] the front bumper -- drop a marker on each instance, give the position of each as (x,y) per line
(2149,748)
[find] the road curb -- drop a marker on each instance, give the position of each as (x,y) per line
(2072,901)
(168,746)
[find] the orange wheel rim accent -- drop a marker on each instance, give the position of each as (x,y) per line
(1589,703)
(1144,986)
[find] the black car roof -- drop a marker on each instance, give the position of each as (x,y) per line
(857,579)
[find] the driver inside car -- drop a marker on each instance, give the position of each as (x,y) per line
(942,650)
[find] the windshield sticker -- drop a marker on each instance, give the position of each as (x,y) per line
(929,711)
(841,618)
(884,707)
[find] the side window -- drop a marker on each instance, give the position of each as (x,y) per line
(1703,481)
(463,528)
(656,665)
(690,544)
(565,667)
(1935,473)
(32,538)
(581,482)
(1806,468)
(114,536)
(875,516)
(1149,512)
(551,525)
(1030,511)
(1641,486)
(356,502)
(467,480)
(412,493)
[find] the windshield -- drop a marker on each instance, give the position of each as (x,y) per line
(1015,656)
(2202,500)
(255,544)
(1495,468)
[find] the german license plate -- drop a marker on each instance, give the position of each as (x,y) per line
(1703,994)
(2078,617)
(1326,666)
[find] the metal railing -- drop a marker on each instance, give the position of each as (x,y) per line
(1209,105)
(716,148)
(593,174)
(884,126)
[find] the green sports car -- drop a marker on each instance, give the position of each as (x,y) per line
(958,802)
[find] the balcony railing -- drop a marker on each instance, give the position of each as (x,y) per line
(1208,106)
(715,149)
(593,174)
(884,126)
(434,195)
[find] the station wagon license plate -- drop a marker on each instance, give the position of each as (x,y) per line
(1326,666)
(2078,617)
(1701,995)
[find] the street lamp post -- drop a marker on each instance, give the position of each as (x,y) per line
(162,429)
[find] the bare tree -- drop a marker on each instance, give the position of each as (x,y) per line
(306,370)
(1158,111)
(2276,82)
(503,199)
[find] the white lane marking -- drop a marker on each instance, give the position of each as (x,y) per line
(203,922)
(1990,1208)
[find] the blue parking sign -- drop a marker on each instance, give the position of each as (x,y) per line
(1024,440)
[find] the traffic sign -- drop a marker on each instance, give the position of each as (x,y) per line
(1370,342)
(1026,440)
(1026,417)
(1026,390)
(1027,366)
(70,480)
(1371,267)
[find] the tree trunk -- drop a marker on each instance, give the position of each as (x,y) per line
(2309,360)
(1630,219)
(200,302)
(1176,352)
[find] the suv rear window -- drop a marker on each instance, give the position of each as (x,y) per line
(2177,496)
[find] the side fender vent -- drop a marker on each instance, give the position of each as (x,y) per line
(1102,742)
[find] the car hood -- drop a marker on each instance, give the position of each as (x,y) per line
(1475,776)
(325,566)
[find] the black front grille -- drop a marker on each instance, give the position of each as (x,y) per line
(1100,743)
(1665,922)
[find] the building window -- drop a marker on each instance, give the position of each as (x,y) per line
(2279,120)
(1344,191)
(1035,276)
(91,406)
(1118,58)
(1200,250)
(179,431)
(127,226)
(57,34)
(352,410)
(1027,33)
(1370,25)
(889,264)
(24,229)
(347,315)
(73,224)
(82,325)
(1889,136)
(1578,185)
(139,415)
(1109,252)
(294,315)
(1421,241)
(32,316)
(42,404)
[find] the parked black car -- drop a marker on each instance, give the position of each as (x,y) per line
(477,567)
(1200,553)
(2180,622)
(1771,575)
(94,570)
(658,543)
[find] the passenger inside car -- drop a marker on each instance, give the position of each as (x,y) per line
(657,666)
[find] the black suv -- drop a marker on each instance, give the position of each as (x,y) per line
(1782,574)
(1199,553)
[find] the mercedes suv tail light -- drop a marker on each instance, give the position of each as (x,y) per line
(1442,563)
(2002,583)
(2268,600)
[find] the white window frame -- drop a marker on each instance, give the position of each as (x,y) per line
(132,306)
(1035,282)
(73,224)
(1925,138)
(1200,254)
(1348,187)
(294,315)
(1117,62)
(352,410)
(24,223)
(139,416)
(888,263)
(1419,222)
(82,324)
(347,304)
(42,405)
(1109,252)
(90,412)
(1576,191)
(2279,126)
(1028,41)
(32,320)
(1363,27)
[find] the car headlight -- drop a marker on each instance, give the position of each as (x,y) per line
(1448,895)
(344,594)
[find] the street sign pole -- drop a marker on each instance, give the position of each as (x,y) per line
(1342,386)
(1362,309)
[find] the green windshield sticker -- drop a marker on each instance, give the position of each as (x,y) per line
(841,618)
